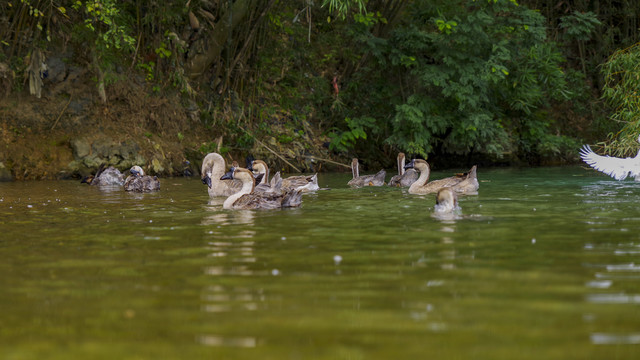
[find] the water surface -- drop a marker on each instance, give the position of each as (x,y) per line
(542,264)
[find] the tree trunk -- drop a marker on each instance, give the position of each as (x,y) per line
(200,61)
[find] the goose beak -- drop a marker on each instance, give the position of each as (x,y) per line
(207,181)
(134,172)
(410,164)
(227,176)
(249,160)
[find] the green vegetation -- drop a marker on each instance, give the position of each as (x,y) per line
(481,80)
(621,90)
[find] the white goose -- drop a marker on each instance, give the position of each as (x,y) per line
(617,168)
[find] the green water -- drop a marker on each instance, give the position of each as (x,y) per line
(542,264)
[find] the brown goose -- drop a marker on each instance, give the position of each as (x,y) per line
(446,200)
(464,183)
(365,180)
(246,198)
(305,183)
(213,167)
(405,177)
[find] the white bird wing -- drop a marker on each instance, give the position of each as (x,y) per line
(617,168)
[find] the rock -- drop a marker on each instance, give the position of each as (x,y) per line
(81,147)
(79,106)
(103,147)
(90,153)
(5,174)
(156,166)
(92,161)
(57,69)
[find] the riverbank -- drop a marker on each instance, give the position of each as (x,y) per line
(69,132)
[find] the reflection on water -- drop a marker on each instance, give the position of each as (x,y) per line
(611,210)
(541,264)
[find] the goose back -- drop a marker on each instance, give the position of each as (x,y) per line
(247,198)
(139,182)
(404,178)
(365,180)
(464,183)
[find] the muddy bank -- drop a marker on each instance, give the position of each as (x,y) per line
(68,132)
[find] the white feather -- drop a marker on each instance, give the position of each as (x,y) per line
(617,168)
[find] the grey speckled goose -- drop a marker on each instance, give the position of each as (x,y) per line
(105,176)
(466,183)
(139,182)
(213,167)
(365,180)
(246,198)
(405,177)
(305,183)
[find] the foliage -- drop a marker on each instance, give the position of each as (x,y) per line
(459,77)
(473,73)
(103,20)
(579,25)
(621,91)
(343,140)
(342,7)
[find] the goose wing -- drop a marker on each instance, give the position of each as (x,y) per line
(617,168)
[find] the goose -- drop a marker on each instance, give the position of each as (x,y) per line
(108,176)
(305,183)
(617,168)
(463,183)
(469,183)
(246,198)
(213,167)
(404,178)
(260,167)
(139,182)
(365,180)
(446,200)
(261,174)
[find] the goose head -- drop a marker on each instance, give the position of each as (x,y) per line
(446,200)
(228,175)
(418,164)
(207,181)
(244,175)
(260,167)
(87,179)
(213,165)
(136,171)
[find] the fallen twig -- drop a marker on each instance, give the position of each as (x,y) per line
(327,160)
(278,155)
(62,112)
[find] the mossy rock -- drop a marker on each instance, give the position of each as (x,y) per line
(5,174)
